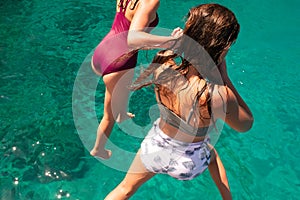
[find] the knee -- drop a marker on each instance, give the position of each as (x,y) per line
(121,192)
(108,118)
(126,189)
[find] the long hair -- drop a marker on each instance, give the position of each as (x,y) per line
(173,71)
(213,26)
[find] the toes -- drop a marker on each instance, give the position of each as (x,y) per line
(131,115)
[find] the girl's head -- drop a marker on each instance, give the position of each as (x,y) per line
(214,27)
(209,32)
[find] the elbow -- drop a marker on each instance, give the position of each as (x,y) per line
(246,126)
(132,40)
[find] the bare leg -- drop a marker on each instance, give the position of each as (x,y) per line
(120,95)
(115,105)
(135,177)
(218,174)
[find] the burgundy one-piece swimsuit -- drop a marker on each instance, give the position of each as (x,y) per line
(114,45)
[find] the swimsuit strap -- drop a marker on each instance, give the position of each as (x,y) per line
(122,7)
(199,93)
(210,91)
(132,7)
(174,120)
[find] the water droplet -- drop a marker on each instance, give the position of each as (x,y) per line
(47,173)
(16,181)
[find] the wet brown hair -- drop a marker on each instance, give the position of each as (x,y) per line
(213,26)
(209,31)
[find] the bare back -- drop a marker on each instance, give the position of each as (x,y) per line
(180,100)
(188,96)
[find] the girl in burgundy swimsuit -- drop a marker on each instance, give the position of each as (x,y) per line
(116,56)
(115,45)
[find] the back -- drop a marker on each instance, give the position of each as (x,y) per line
(183,92)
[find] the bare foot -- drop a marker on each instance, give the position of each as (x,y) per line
(130,115)
(105,154)
(122,117)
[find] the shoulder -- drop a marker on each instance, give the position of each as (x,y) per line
(221,97)
(145,8)
(223,93)
(151,4)
(218,91)
(224,101)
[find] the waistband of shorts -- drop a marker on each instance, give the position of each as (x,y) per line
(174,141)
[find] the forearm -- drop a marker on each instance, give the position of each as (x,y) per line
(140,39)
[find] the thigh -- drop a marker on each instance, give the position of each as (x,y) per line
(218,174)
(118,80)
(117,92)
(135,177)
(217,169)
(137,173)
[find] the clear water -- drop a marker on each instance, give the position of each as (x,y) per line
(45,44)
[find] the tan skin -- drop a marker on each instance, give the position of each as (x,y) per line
(115,108)
(238,117)
(147,10)
(143,14)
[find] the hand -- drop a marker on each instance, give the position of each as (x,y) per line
(177,33)
(173,41)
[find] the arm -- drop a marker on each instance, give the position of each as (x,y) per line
(238,115)
(138,38)
(228,83)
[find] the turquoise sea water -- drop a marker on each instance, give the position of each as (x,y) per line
(48,104)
